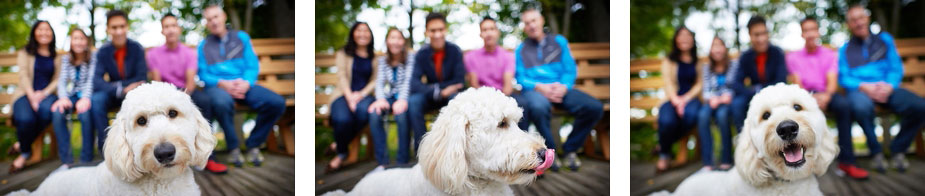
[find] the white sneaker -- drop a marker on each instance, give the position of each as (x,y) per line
(254,156)
(235,158)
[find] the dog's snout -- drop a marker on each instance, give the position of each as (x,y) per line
(164,152)
(788,129)
(541,153)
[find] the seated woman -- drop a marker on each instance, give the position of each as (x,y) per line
(75,86)
(392,89)
(355,82)
(682,86)
(717,94)
(38,78)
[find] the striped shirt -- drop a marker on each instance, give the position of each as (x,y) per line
(712,86)
(76,80)
(394,81)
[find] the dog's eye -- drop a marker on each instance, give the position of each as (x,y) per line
(172,113)
(141,121)
(797,107)
(503,124)
(766,115)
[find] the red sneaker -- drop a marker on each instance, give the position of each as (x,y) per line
(216,168)
(853,171)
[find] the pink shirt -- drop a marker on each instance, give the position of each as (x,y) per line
(490,67)
(172,63)
(812,68)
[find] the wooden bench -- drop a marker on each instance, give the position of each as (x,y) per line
(593,64)
(646,82)
(277,73)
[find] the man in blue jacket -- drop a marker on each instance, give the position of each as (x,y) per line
(441,63)
(763,65)
(870,70)
(228,66)
(546,71)
(123,61)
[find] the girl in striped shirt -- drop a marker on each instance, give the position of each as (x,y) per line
(392,89)
(75,86)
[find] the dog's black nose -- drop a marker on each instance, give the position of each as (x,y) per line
(788,129)
(164,152)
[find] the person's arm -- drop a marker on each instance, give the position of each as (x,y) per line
(204,75)
(471,77)
(520,73)
(25,80)
(380,80)
(343,80)
(570,71)
(709,87)
(738,84)
(141,67)
(781,69)
(831,76)
(98,82)
(191,71)
(508,87)
(87,90)
(456,63)
(404,87)
(671,83)
(62,78)
(153,71)
(845,79)
(250,59)
(894,75)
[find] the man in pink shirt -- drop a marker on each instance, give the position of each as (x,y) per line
(492,65)
(177,64)
(815,68)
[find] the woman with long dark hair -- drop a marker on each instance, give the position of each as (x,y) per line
(38,79)
(356,77)
(682,87)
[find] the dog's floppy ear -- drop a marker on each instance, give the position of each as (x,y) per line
(749,162)
(826,148)
(442,153)
(204,143)
(118,154)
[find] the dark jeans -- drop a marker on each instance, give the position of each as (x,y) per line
(63,135)
(721,116)
(269,106)
(346,123)
(29,123)
(100,103)
(739,109)
(908,106)
(418,104)
(377,124)
(672,127)
(586,110)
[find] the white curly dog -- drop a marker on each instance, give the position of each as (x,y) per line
(785,144)
(474,148)
(155,138)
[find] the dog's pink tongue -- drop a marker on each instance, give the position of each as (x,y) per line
(793,154)
(550,156)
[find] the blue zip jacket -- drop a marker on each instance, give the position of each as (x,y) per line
(544,62)
(871,60)
(228,58)
(136,69)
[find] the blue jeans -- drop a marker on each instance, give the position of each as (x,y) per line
(346,123)
(721,116)
(739,109)
(64,136)
(29,123)
(269,106)
(908,106)
(418,104)
(586,110)
(377,125)
(672,127)
(100,103)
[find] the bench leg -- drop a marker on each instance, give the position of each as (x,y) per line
(919,145)
(603,138)
(272,146)
(886,122)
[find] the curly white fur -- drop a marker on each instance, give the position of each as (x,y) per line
(760,167)
(474,148)
(130,167)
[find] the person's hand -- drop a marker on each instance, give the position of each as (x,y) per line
(725,98)
(61,105)
(557,92)
(226,85)
(131,87)
(450,90)
(83,104)
(883,92)
(377,106)
(34,99)
(399,106)
(868,88)
(239,88)
(680,109)
(714,102)
(822,99)
(189,90)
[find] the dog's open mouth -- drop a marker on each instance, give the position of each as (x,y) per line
(548,156)
(793,155)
